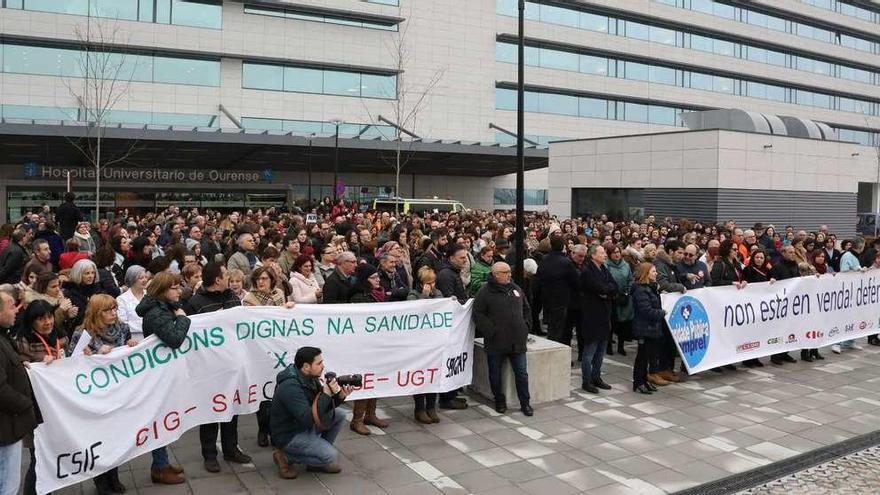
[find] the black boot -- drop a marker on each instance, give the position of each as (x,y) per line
(115,485)
(620,349)
(805,356)
(102,483)
(609,349)
(815,354)
(500,404)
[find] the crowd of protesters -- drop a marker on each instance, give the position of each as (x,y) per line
(69,286)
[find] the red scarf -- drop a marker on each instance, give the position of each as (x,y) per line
(378,295)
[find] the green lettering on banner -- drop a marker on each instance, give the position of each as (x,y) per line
(340,326)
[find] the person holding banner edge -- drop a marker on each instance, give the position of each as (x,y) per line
(17,411)
(647,325)
(163,316)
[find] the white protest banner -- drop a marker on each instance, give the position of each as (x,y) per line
(723,325)
(100,411)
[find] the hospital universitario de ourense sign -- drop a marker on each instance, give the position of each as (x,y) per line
(153,174)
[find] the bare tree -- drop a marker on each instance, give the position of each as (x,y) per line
(104,76)
(404,110)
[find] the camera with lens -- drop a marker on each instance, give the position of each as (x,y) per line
(355,381)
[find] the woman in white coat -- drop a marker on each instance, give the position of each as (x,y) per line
(306,289)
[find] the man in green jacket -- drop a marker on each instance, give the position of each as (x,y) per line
(305,419)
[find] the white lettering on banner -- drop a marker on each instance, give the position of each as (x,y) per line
(723,325)
(101,411)
(149,174)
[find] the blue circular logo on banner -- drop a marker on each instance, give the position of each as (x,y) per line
(689,324)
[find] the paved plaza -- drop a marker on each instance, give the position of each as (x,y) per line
(708,428)
(854,474)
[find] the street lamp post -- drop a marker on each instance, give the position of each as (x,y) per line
(309,197)
(336,122)
(519,235)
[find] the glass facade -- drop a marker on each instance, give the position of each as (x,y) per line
(201,13)
(531,197)
(27,112)
(291,13)
(691,40)
(590,107)
(624,69)
(67,62)
(318,80)
(785,25)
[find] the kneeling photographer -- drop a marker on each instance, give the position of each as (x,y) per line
(305,419)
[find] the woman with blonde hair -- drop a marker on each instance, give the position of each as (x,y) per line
(264,293)
(426,404)
(101,323)
(236,283)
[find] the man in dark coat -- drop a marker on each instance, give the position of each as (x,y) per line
(17,417)
(785,269)
(13,258)
(557,280)
(214,295)
(502,314)
(339,285)
(599,291)
(449,284)
(669,279)
(68,216)
(575,320)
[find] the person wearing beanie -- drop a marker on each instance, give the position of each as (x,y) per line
(368,289)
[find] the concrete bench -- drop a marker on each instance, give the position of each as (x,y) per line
(549,366)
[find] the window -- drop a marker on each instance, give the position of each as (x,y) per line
(558,104)
(662,75)
(531,197)
(662,35)
(555,59)
(258,76)
(303,80)
(505,99)
(505,52)
(37,113)
(638,30)
(636,71)
(196,13)
(756,90)
(662,115)
(558,15)
(322,81)
(186,71)
(635,112)
(594,65)
(702,81)
(723,84)
(341,83)
(49,61)
(593,22)
(593,107)
(378,86)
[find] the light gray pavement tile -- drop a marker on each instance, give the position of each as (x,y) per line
(413,438)
(772,451)
(700,471)
(478,481)
(342,484)
(666,437)
(548,485)
(493,457)
(579,439)
(405,456)
(483,425)
(504,437)
(669,480)
(434,450)
(856,427)
(585,478)
(456,464)
(825,434)
(581,457)
(738,438)
(420,488)
(787,425)
(553,427)
(375,460)
(763,432)
(797,443)
(638,426)
(518,472)
(609,433)
(529,449)
(668,457)
(619,489)
(556,463)
(731,421)
(470,443)
(394,477)
(607,452)
(636,465)
(731,463)
(637,444)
